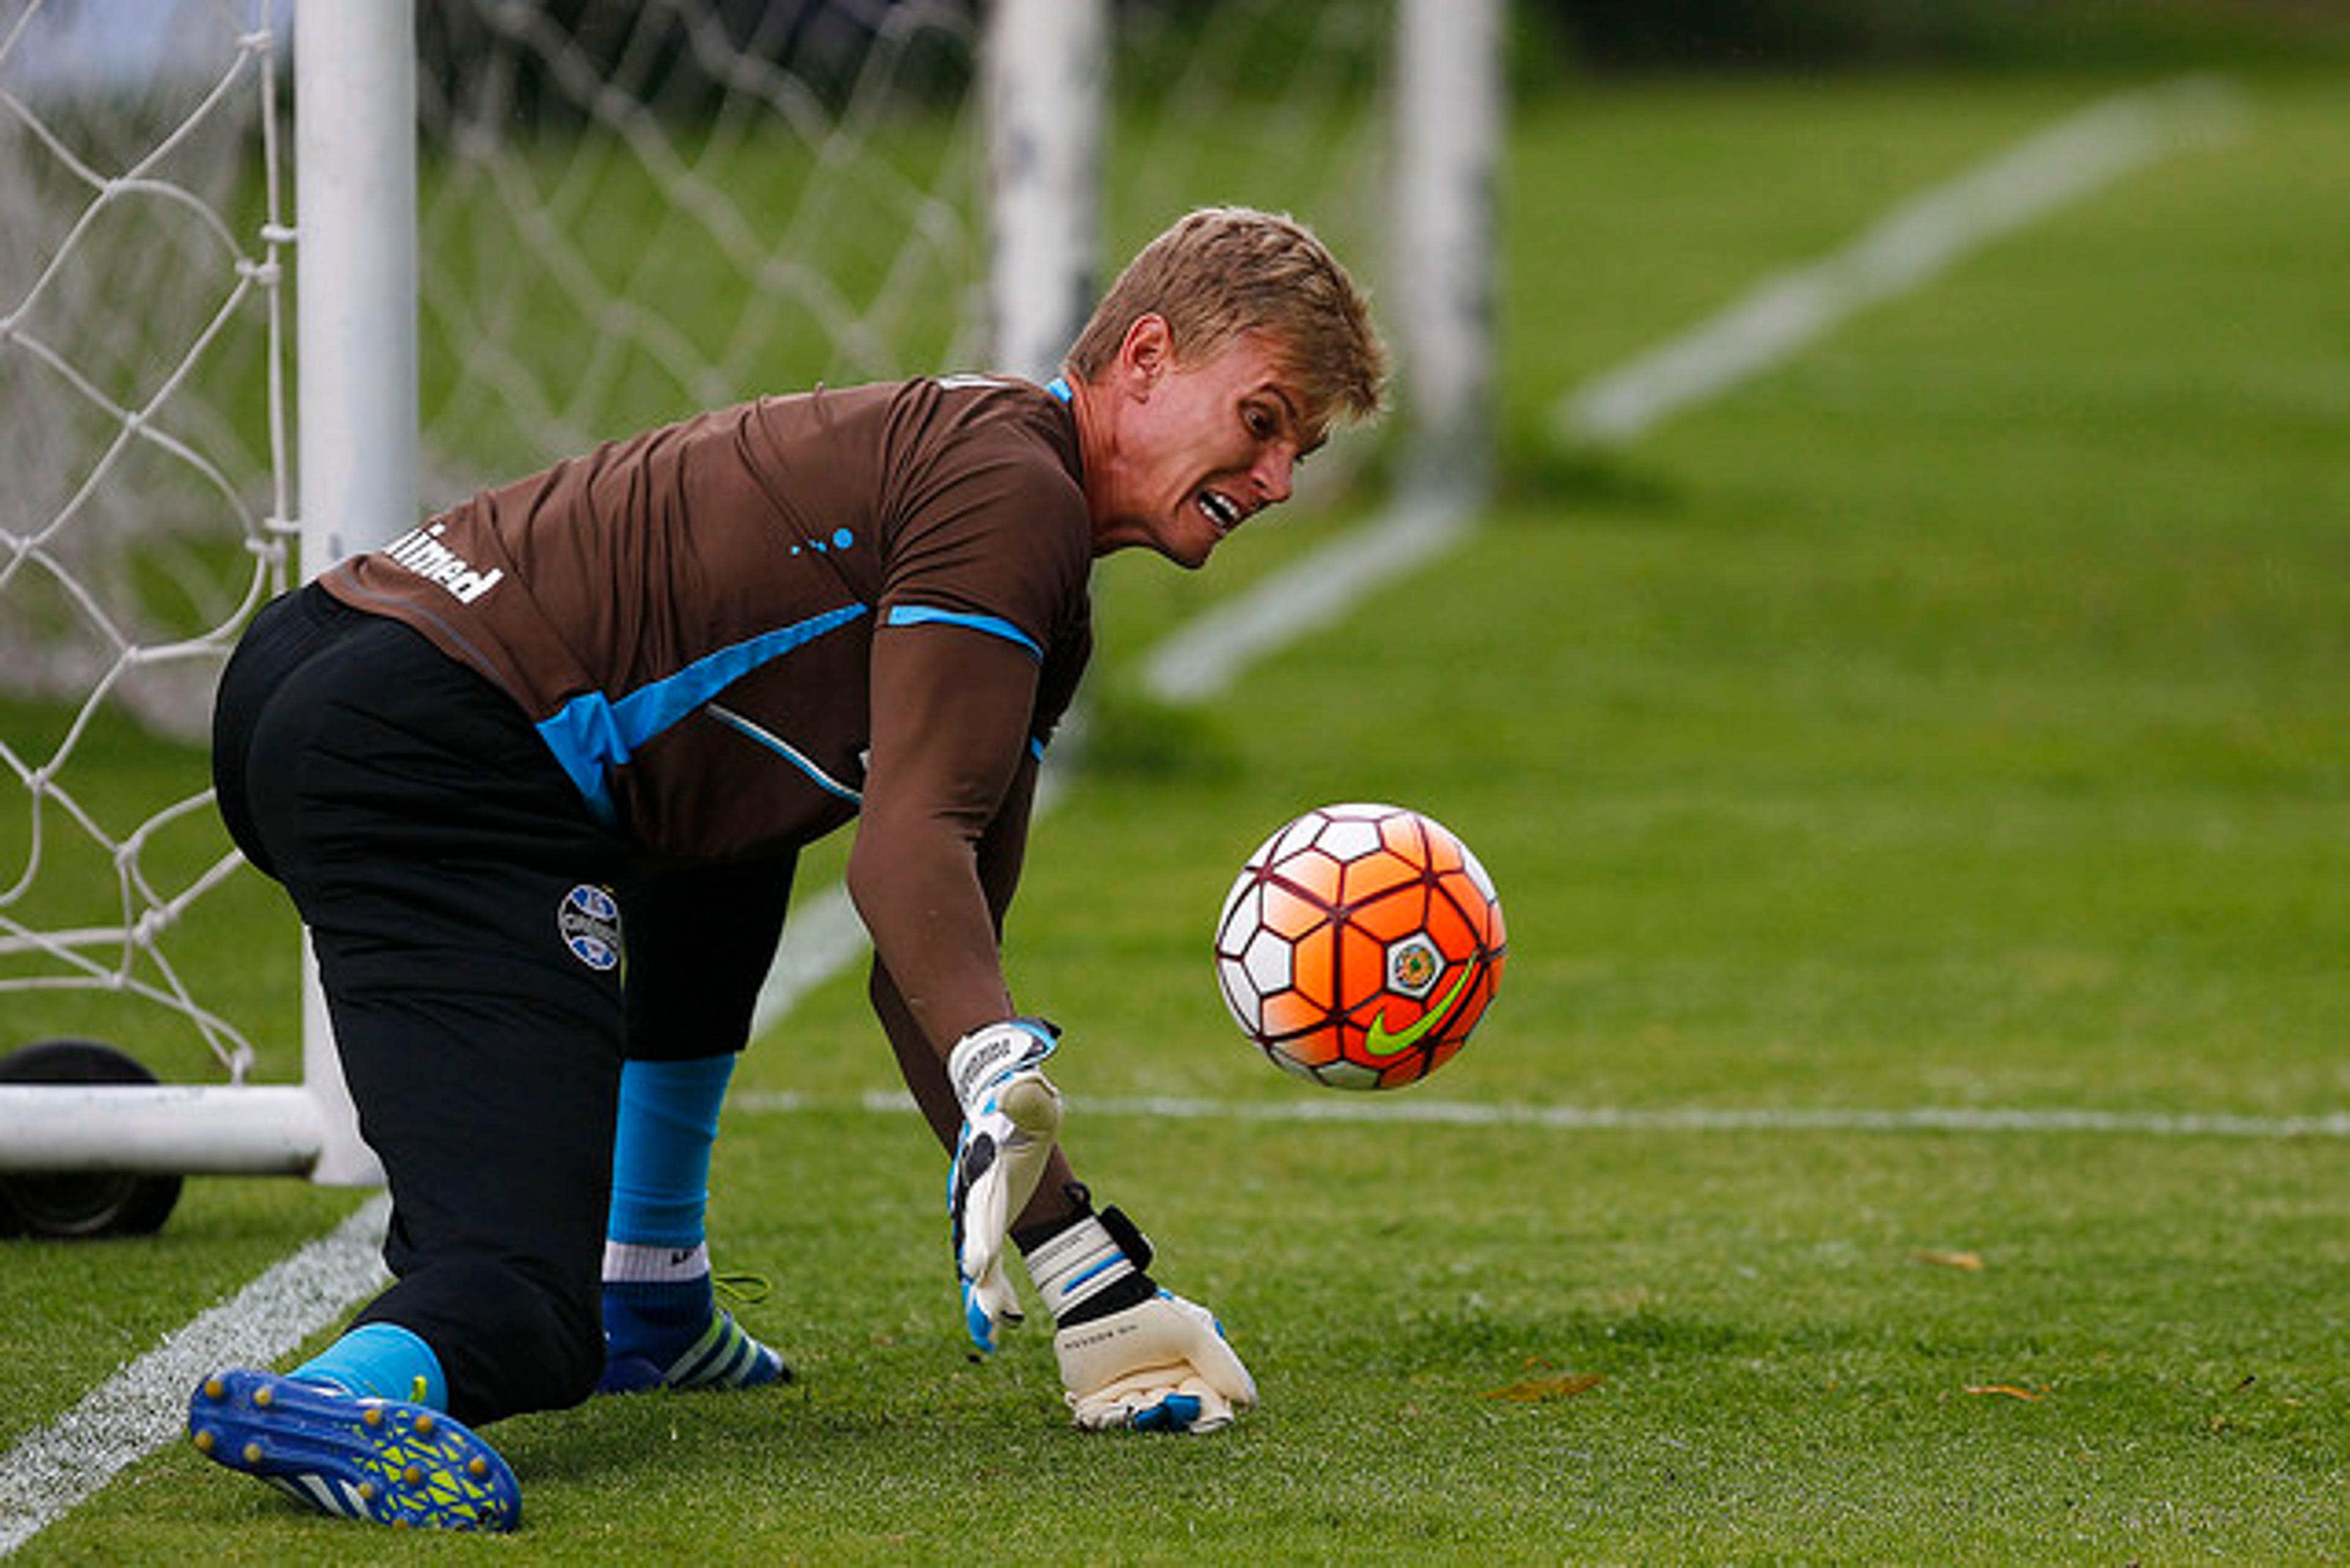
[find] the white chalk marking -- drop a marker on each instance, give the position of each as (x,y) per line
(1401,1110)
(145,1405)
(1908,247)
(1203,659)
(822,937)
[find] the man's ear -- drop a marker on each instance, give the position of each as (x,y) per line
(1146,353)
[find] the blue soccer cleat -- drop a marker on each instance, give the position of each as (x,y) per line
(380,1459)
(642,1353)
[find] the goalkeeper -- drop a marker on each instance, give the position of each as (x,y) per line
(535,775)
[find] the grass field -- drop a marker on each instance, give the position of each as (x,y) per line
(1949,721)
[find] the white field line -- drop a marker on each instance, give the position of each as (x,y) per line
(822,937)
(1909,246)
(1202,660)
(822,934)
(145,1405)
(140,1408)
(1399,1110)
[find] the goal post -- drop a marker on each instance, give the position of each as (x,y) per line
(1047,82)
(530,332)
(1445,230)
(354,184)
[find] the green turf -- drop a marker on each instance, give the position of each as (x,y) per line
(1949,718)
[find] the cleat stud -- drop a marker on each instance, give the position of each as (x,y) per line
(477,1466)
(371,1417)
(424,1426)
(413,1474)
(264,1398)
(367,1491)
(205,1442)
(214,1388)
(253,1453)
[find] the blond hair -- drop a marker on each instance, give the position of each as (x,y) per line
(1223,272)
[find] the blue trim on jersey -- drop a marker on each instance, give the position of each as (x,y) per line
(1036,748)
(993,625)
(1059,388)
(753,730)
(592,735)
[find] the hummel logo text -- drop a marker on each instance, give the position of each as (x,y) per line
(421,551)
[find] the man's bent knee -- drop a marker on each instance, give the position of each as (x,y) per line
(512,1336)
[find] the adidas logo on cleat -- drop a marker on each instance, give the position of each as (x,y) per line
(674,1336)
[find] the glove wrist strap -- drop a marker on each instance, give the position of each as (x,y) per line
(1091,1265)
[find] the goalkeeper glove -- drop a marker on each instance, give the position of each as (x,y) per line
(1132,1356)
(1010,1113)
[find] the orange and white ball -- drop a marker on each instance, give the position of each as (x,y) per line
(1360,944)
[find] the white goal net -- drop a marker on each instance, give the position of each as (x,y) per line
(142,483)
(623,211)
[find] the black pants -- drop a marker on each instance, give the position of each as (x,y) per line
(459,897)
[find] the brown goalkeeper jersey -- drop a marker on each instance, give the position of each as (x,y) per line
(737,632)
(689,616)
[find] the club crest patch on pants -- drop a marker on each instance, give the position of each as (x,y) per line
(589,922)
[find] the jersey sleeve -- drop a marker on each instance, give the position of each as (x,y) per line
(991,537)
(982,624)
(929,870)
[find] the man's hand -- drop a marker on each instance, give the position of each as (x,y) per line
(1132,1356)
(1011,1115)
(1161,1366)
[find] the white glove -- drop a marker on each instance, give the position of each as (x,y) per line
(1161,1366)
(1011,1115)
(1132,1356)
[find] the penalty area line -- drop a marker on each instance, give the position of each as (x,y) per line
(1396,1111)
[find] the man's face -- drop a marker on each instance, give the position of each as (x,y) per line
(1195,449)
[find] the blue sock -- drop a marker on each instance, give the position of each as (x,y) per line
(661,1150)
(662,1327)
(383,1360)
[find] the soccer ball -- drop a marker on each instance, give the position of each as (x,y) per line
(1360,944)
